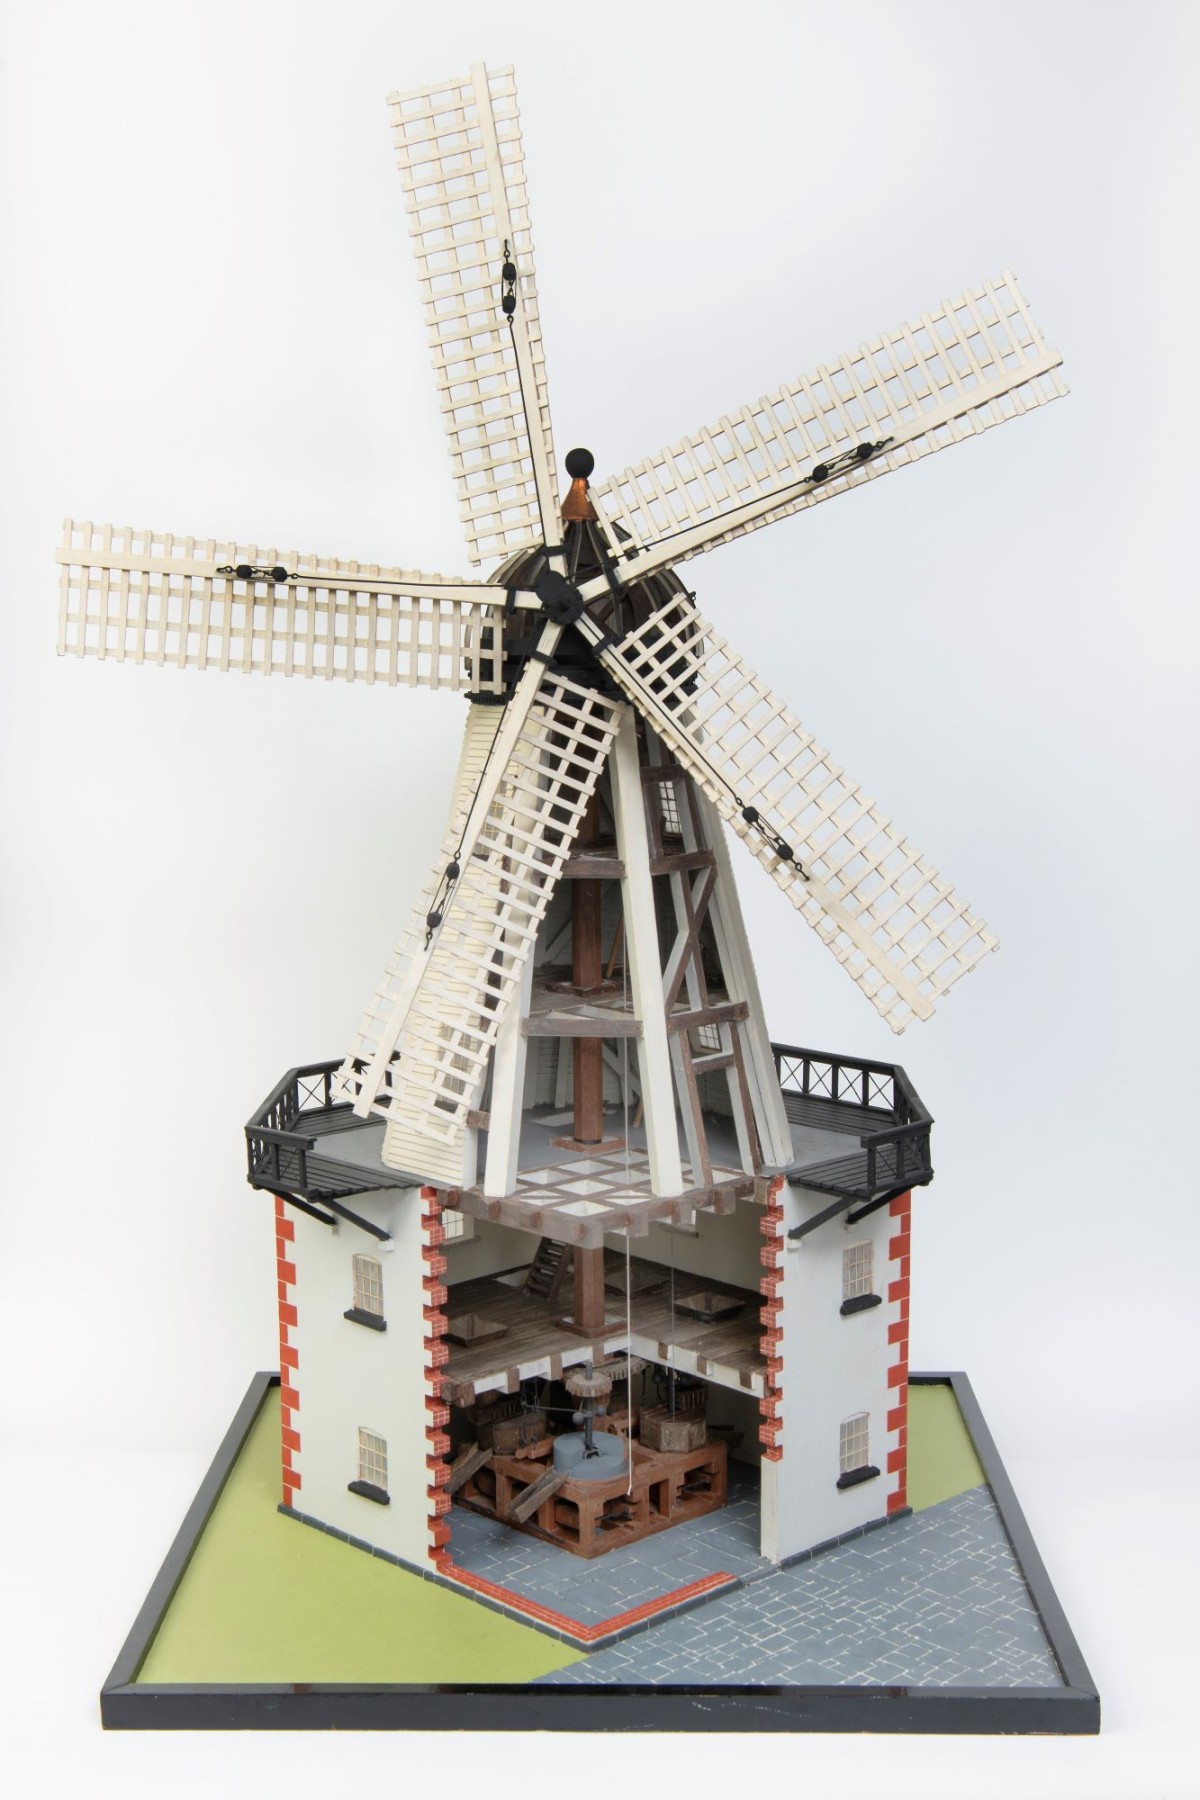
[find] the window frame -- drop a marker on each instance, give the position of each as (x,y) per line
(366,1286)
(854,1450)
(372,1462)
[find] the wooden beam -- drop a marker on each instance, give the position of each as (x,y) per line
(530,1498)
(575,1025)
(468,1462)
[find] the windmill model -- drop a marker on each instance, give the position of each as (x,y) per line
(569,1045)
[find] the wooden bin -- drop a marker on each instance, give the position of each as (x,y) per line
(682,1431)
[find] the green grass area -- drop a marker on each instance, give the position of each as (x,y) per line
(941,1457)
(267,1599)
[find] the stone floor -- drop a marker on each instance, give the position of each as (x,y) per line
(591,1591)
(935,1599)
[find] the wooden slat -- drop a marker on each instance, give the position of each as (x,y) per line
(150,597)
(530,1498)
(970,363)
(422,1050)
(891,920)
(458,147)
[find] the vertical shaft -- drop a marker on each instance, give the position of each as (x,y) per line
(589,1290)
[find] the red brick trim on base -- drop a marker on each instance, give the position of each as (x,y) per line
(289,1361)
(899,1256)
(437,1354)
(771,1226)
(583,1634)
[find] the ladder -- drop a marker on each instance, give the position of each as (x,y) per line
(545,1275)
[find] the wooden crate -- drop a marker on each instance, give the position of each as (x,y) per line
(682,1431)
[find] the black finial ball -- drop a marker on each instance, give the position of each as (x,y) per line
(579,463)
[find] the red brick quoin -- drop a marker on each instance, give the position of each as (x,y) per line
(437,1354)
(899,1252)
(771,1226)
(289,1361)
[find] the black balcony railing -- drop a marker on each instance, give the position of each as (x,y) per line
(288,1147)
(876,1102)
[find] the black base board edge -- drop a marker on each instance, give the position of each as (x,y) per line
(1070,1710)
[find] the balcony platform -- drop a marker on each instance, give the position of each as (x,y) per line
(859,1132)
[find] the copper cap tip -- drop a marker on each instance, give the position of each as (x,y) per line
(576,505)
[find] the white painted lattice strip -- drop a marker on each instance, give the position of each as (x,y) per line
(970,363)
(451,1011)
(146,596)
(886,913)
(459,152)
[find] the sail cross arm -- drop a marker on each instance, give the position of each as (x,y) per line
(154,597)
(422,1050)
(885,912)
(973,362)
(458,147)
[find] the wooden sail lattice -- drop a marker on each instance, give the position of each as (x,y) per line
(890,919)
(443,1024)
(969,364)
(150,597)
(459,151)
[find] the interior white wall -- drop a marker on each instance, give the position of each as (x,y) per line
(725,1246)
(208,322)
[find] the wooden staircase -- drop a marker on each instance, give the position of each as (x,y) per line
(550,1266)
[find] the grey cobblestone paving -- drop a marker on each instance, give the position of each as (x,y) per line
(592,1591)
(935,1599)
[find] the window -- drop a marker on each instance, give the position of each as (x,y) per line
(367,1277)
(672,825)
(372,1467)
(858,1278)
(458,1226)
(855,1450)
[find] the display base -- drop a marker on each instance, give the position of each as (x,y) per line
(189,1633)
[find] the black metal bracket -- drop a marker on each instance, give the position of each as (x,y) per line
(256,572)
(314,1212)
(822,1218)
(861,1212)
(847,459)
(508,283)
(561,600)
(780,846)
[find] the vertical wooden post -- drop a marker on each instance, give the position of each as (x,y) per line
(589,1290)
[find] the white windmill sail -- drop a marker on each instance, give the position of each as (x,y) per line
(459,150)
(150,597)
(423,1047)
(971,363)
(885,912)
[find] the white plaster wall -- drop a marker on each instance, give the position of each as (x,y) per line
(349,1375)
(833,1366)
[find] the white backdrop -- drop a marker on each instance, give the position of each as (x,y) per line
(211,326)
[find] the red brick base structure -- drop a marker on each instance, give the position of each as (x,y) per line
(289,1360)
(437,1354)
(771,1226)
(899,1251)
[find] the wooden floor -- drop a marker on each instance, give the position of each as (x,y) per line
(726,1352)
